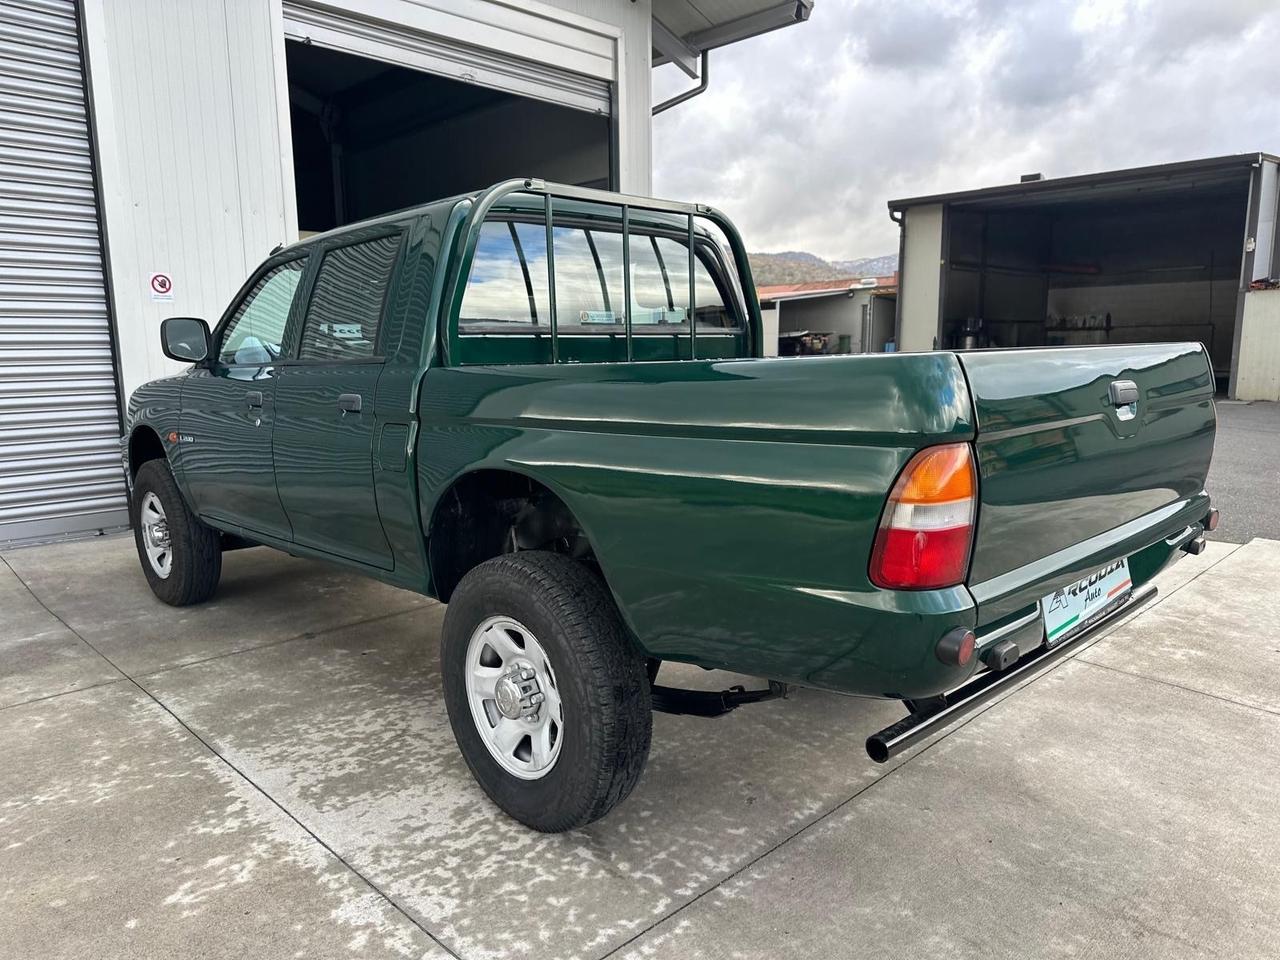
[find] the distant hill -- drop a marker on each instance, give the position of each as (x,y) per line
(798,266)
(868,266)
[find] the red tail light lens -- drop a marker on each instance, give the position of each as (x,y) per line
(926,532)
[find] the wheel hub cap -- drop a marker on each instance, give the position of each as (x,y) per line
(514,698)
(518,695)
(156,541)
(158,534)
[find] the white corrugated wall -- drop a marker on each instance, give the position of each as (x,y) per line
(191,158)
(192,116)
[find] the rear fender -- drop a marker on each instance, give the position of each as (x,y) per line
(733,529)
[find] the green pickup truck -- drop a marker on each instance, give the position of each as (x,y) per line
(548,407)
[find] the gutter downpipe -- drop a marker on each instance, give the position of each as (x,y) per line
(900,218)
(679,98)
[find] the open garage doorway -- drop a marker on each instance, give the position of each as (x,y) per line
(370,137)
(1175,252)
(1096,269)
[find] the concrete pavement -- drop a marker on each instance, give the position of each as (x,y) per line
(1246,465)
(273,775)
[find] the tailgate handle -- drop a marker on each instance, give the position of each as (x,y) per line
(1123,393)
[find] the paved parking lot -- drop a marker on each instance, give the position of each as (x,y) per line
(272,775)
(1245,476)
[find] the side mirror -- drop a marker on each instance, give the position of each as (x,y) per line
(185,339)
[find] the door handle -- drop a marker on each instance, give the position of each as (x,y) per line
(253,398)
(1122,392)
(350,403)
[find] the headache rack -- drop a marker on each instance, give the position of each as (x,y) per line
(484,203)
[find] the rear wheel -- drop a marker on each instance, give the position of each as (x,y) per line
(181,557)
(548,700)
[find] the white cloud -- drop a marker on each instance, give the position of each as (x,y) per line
(806,132)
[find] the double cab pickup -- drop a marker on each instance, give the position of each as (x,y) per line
(549,408)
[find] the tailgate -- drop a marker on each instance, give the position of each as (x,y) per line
(1063,459)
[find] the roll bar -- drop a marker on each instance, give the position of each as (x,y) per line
(483,204)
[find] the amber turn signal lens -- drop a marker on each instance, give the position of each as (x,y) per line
(939,474)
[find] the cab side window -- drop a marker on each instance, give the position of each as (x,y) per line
(255,331)
(347,300)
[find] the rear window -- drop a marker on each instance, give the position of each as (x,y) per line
(505,314)
(507,289)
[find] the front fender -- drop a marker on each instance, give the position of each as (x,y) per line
(156,406)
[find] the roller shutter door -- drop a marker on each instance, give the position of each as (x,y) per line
(60,470)
(367,35)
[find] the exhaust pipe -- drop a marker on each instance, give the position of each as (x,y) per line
(910,730)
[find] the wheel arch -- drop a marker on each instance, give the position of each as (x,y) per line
(144,445)
(489,511)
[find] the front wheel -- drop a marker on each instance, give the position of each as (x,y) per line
(181,557)
(548,699)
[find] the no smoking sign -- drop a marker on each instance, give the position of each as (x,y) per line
(161,285)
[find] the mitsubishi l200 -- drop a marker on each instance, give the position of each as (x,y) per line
(549,408)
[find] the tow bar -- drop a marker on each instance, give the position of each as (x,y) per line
(937,713)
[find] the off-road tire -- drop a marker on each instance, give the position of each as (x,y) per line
(601,678)
(196,548)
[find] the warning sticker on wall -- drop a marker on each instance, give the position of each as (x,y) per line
(161,285)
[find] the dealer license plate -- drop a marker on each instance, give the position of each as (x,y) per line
(1074,607)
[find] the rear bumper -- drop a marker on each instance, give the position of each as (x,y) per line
(903,663)
(909,731)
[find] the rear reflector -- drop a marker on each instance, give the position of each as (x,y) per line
(956,647)
(926,532)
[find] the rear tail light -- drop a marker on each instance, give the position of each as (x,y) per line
(926,532)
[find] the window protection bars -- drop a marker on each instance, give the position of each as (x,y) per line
(626,277)
(693,306)
(551,278)
(485,202)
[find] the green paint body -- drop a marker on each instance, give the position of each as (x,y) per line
(731,503)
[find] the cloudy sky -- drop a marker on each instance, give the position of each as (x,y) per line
(806,132)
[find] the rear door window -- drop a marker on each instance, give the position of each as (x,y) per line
(347,301)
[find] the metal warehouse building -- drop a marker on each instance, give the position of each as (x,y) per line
(153,152)
(1180,251)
